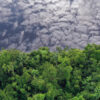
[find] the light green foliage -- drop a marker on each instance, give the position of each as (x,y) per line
(49,72)
(43,75)
(78,98)
(39,97)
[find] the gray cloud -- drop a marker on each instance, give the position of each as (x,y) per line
(30,24)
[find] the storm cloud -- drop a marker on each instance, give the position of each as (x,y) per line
(30,24)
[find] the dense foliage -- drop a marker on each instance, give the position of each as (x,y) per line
(70,74)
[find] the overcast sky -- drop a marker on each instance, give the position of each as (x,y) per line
(30,24)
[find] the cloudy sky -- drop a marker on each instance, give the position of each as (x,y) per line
(30,24)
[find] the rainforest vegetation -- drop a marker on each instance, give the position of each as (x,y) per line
(68,74)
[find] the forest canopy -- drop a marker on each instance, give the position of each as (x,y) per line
(68,74)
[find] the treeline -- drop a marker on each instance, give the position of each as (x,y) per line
(69,74)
